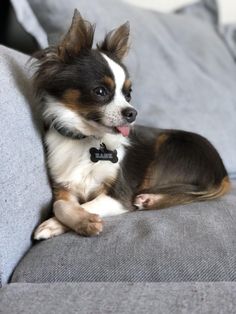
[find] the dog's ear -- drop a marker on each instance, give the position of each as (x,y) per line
(116,41)
(80,36)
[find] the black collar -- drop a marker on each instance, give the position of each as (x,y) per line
(75,135)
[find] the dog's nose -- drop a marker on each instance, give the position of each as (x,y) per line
(129,114)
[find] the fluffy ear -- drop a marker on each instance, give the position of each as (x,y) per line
(116,41)
(79,36)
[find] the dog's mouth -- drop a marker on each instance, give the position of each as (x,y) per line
(124,130)
(120,129)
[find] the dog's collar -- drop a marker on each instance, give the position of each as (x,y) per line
(75,135)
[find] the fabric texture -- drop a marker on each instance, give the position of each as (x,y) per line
(183,72)
(207,10)
(185,243)
(165,6)
(27,18)
(226,8)
(24,186)
(119,298)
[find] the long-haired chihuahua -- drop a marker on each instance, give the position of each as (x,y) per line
(100,164)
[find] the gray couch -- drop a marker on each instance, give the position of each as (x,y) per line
(176,260)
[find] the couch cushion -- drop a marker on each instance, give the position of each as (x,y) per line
(119,298)
(184,75)
(185,243)
(25,191)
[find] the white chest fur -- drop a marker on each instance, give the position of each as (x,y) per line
(69,161)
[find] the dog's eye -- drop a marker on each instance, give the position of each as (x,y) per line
(100,91)
(128,95)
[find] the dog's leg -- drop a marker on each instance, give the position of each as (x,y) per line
(147,201)
(74,216)
(49,228)
(104,206)
(159,201)
(71,214)
(85,219)
(175,195)
(68,215)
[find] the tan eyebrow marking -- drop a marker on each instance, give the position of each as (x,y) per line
(109,82)
(127,84)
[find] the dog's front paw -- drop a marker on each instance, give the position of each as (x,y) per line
(48,229)
(90,225)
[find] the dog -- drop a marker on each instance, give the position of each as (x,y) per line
(100,164)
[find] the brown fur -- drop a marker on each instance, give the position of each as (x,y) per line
(159,201)
(76,218)
(161,139)
(61,193)
(149,178)
(116,42)
(71,98)
(67,209)
(80,36)
(216,192)
(109,82)
(127,84)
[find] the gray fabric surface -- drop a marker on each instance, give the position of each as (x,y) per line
(119,298)
(184,74)
(26,17)
(24,188)
(208,10)
(184,243)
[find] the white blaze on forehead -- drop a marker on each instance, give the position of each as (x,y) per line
(118,72)
(113,116)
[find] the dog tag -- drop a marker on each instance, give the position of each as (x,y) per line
(103,154)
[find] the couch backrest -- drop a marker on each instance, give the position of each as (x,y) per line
(25,193)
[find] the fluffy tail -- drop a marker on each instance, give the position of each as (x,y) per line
(166,196)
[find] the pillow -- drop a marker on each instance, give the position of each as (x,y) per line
(24,187)
(184,76)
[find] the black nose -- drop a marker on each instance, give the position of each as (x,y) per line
(129,114)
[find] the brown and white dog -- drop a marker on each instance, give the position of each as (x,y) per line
(99,163)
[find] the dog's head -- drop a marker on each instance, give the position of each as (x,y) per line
(87,89)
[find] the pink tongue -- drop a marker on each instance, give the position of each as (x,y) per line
(124,130)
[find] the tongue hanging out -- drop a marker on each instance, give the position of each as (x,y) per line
(124,130)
